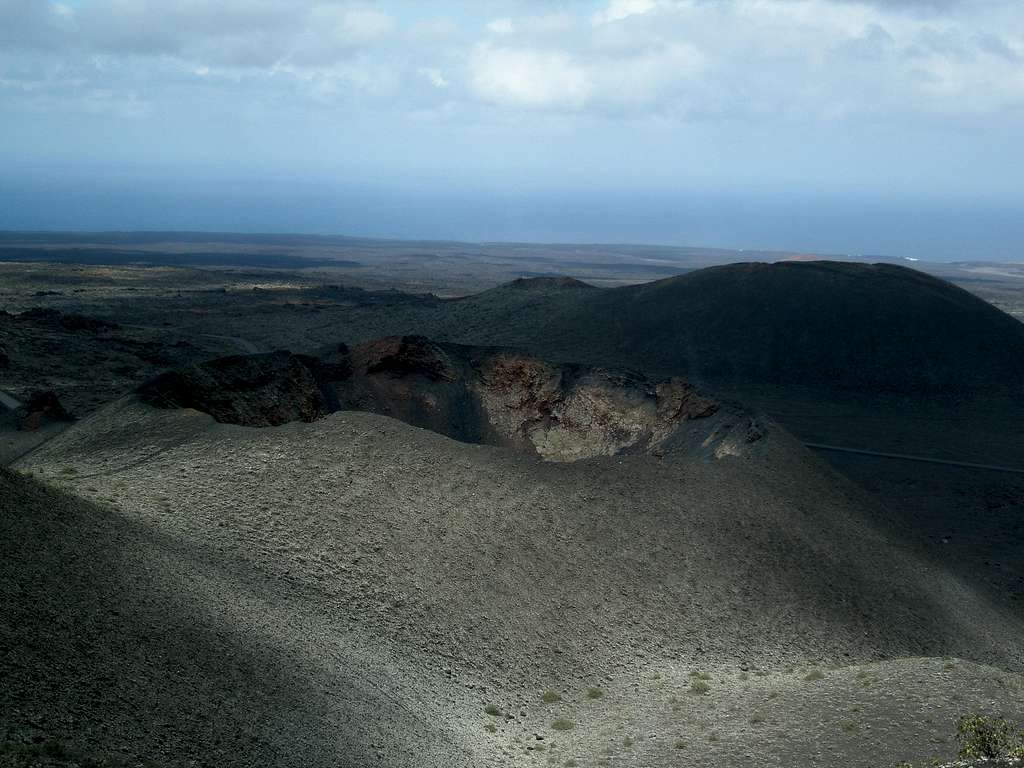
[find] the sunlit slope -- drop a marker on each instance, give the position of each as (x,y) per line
(758,557)
(360,591)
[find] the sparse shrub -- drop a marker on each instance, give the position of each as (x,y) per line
(594,693)
(981,736)
(562,724)
(758,717)
(493,709)
(627,742)
(814,674)
(680,744)
(550,697)
(699,687)
(490,727)
(847,726)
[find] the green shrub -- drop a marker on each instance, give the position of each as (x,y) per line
(492,709)
(814,674)
(594,693)
(699,687)
(550,697)
(562,724)
(981,736)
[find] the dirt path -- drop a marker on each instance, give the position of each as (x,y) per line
(907,457)
(243,344)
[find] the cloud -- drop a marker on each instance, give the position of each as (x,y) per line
(524,77)
(27,24)
(757,60)
(502,26)
(617,10)
(351,26)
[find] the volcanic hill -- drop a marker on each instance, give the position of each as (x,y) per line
(828,326)
(366,591)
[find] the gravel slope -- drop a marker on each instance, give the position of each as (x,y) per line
(356,591)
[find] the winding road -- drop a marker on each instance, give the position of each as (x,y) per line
(908,457)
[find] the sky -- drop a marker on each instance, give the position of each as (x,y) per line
(823,125)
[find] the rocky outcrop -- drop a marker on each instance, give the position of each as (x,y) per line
(542,283)
(43,407)
(67,321)
(253,390)
(570,412)
(560,412)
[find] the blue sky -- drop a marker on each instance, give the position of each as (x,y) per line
(834,125)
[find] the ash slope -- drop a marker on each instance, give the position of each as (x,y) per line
(123,645)
(410,582)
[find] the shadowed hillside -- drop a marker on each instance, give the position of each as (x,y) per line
(824,325)
(123,645)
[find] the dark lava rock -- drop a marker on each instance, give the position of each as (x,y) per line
(473,394)
(255,390)
(540,283)
(5,359)
(405,356)
(42,407)
(69,322)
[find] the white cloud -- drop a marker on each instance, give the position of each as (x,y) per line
(617,10)
(502,26)
(351,25)
(529,78)
(659,80)
(750,59)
